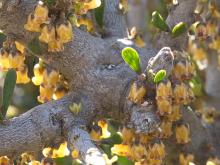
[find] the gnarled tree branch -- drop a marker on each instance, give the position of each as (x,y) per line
(99,81)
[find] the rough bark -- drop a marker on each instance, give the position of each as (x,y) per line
(99,80)
(183,12)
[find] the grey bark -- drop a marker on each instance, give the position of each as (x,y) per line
(99,80)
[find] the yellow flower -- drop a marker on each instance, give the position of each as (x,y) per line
(138,151)
(198,54)
(92,4)
(139,41)
(164,90)
(104,125)
(182,134)
(75,108)
(50,78)
(46,94)
(64,32)
(182,94)
(166,129)
(38,74)
(179,70)
(156,152)
(123,5)
(41,13)
(22,75)
(20,47)
(185,159)
(175,114)
(47,34)
(164,106)
(96,134)
(121,149)
(62,151)
(87,22)
(16,60)
(59,92)
(32,24)
(127,135)
(55,46)
(4,59)
(136,93)
(215,44)
(75,154)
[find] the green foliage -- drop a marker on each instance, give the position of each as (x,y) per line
(160,75)
(65,160)
(99,14)
(123,160)
(131,57)
(8,89)
(49,2)
(196,86)
(158,21)
(178,29)
(113,139)
(34,46)
(2,38)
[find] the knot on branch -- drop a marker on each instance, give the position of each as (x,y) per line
(143,118)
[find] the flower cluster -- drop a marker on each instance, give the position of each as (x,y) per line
(12,56)
(52,84)
(54,27)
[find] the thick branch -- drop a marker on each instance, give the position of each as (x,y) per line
(114,20)
(181,13)
(44,125)
(100,81)
(80,139)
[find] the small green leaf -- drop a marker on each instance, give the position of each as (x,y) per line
(179,29)
(160,75)
(131,57)
(8,89)
(122,160)
(99,14)
(158,21)
(34,46)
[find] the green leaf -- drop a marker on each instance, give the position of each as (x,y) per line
(196,86)
(99,14)
(113,126)
(131,57)
(113,139)
(179,29)
(160,75)
(123,160)
(158,21)
(49,2)
(67,160)
(8,89)
(106,148)
(34,46)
